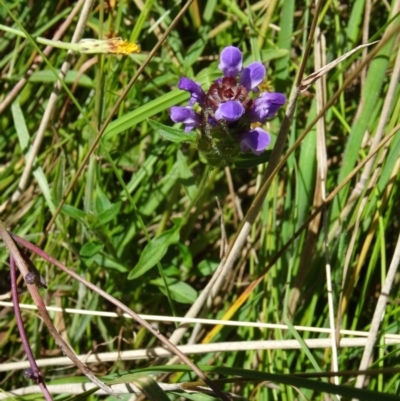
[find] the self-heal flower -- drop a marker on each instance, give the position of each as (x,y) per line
(187,116)
(257,140)
(266,106)
(230,61)
(226,111)
(196,93)
(230,111)
(252,76)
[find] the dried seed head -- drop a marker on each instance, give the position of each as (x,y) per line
(113,46)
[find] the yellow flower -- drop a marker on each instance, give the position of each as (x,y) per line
(113,45)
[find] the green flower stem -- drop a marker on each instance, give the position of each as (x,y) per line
(58,44)
(201,190)
(48,42)
(12,30)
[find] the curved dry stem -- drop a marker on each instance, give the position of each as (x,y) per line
(198,349)
(123,307)
(33,290)
(33,372)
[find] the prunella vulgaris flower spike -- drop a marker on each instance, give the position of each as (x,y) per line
(228,115)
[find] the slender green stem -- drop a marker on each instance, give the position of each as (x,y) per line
(43,41)
(200,191)
(58,44)
(12,30)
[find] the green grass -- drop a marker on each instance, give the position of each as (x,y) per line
(142,220)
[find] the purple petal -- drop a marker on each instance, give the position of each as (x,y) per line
(252,76)
(196,93)
(230,61)
(257,140)
(266,106)
(185,115)
(231,111)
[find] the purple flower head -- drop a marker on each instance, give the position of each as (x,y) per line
(231,65)
(196,93)
(252,76)
(266,106)
(185,115)
(256,140)
(231,61)
(226,111)
(231,111)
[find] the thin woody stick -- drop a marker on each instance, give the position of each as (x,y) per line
(34,372)
(127,310)
(31,278)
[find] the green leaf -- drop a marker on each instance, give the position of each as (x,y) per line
(377,74)
(5,182)
(196,396)
(179,290)
(154,251)
(248,160)
(150,387)
(209,10)
(108,215)
(48,76)
(81,397)
(146,170)
(59,180)
(90,303)
(20,126)
(186,176)
(271,54)
(160,191)
(207,267)
(267,55)
(354,25)
(186,255)
(41,179)
(102,203)
(75,213)
(24,138)
(165,79)
(194,52)
(105,261)
(90,249)
(172,134)
(284,42)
